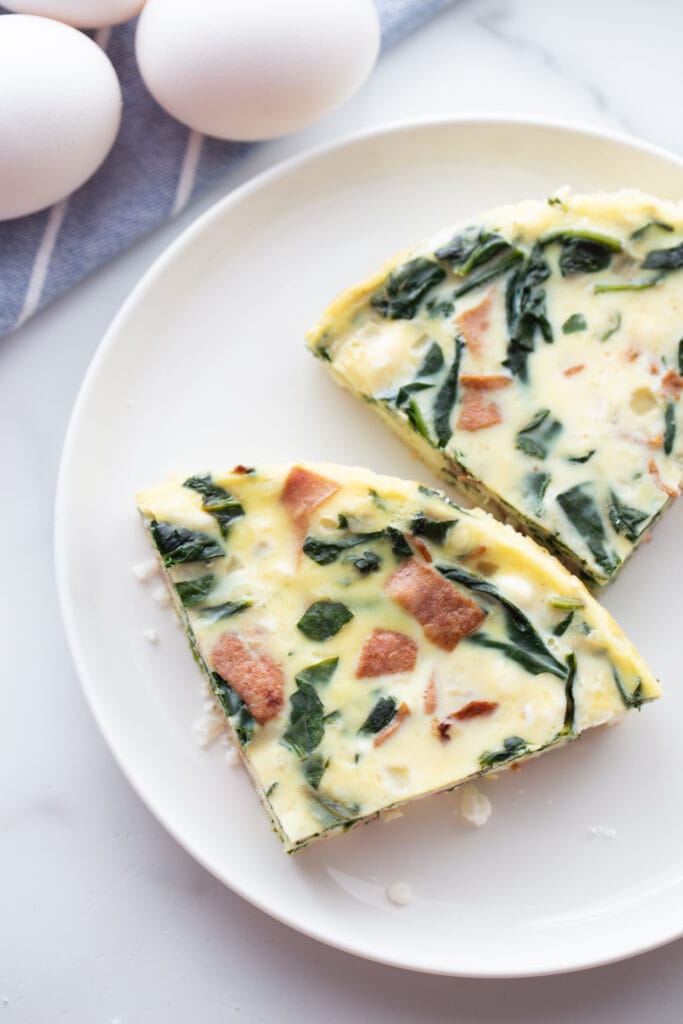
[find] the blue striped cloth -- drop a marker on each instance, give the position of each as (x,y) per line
(155,167)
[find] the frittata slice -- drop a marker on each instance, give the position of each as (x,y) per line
(535,359)
(370,642)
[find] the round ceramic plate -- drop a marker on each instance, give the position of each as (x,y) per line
(205,365)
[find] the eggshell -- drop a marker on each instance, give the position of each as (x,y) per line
(255,69)
(81,13)
(59,114)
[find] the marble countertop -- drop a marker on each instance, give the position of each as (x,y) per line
(105,919)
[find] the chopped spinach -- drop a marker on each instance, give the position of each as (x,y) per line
(582,458)
(669,427)
(535,486)
(562,627)
(525,656)
(216,501)
(664,259)
(446,398)
(435,309)
(177,544)
(488,273)
(575,322)
(306,727)
(615,324)
(639,232)
(335,809)
(416,419)
(526,311)
(472,247)
(399,545)
(432,529)
(680,356)
(581,509)
(432,362)
(271,789)
(324,552)
(405,288)
(242,720)
(537,436)
(625,519)
(193,592)
(318,674)
(367,562)
(513,747)
(633,699)
(314,769)
(584,255)
(570,709)
(380,716)
(628,286)
(216,612)
(324,619)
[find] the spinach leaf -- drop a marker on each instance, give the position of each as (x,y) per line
(526,646)
(176,544)
(314,769)
(324,552)
(406,287)
(628,286)
(432,529)
(446,398)
(380,716)
(432,362)
(581,509)
(216,612)
(526,311)
(680,356)
(435,309)
(575,322)
(234,707)
(669,427)
(416,419)
(399,545)
(193,592)
(582,458)
(631,700)
(513,747)
(562,627)
(318,674)
(271,789)
(216,501)
(472,247)
(570,709)
(625,519)
(664,259)
(583,256)
(306,727)
(535,486)
(324,619)
(367,562)
(488,273)
(335,809)
(537,436)
(615,324)
(639,232)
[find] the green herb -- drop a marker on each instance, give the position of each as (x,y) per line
(324,552)
(565,602)
(472,247)
(526,646)
(555,201)
(367,562)
(575,322)
(628,286)
(399,545)
(639,232)
(625,519)
(306,727)
(318,674)
(669,427)
(526,311)
(216,612)
(432,529)
(488,273)
(176,544)
(435,309)
(271,789)
(432,362)
(535,486)
(193,592)
(562,627)
(332,716)
(380,716)
(570,708)
(314,769)
(513,747)
(416,419)
(336,810)
(405,288)
(664,259)
(581,509)
(631,700)
(582,458)
(446,398)
(216,501)
(613,328)
(537,436)
(324,619)
(241,718)
(584,255)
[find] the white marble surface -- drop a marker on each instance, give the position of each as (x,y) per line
(103,917)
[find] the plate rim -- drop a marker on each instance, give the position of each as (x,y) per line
(156,269)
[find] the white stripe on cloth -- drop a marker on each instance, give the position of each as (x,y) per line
(41,261)
(188,171)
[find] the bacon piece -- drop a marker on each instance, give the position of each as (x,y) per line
(476,413)
(672,384)
(473,323)
(429,698)
(240,469)
(632,355)
(652,467)
(393,726)
(255,677)
(386,652)
(474,709)
(574,369)
(492,382)
(420,546)
(654,370)
(301,495)
(446,615)
(442,730)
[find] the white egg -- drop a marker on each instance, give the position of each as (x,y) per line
(81,13)
(255,69)
(59,112)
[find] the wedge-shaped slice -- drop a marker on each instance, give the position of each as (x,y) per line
(534,358)
(370,642)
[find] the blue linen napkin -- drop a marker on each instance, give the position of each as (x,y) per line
(154,169)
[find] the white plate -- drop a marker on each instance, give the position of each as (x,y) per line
(205,365)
